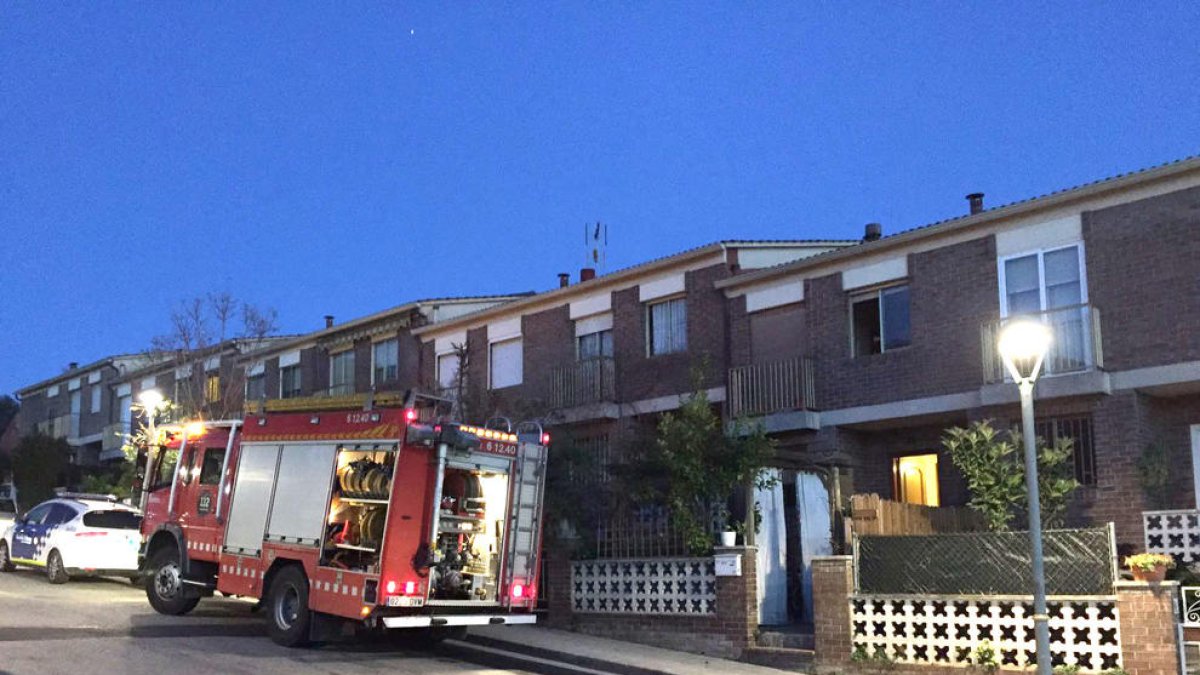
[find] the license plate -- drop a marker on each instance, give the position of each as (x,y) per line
(405,601)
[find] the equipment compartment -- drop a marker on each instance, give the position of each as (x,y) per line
(358,507)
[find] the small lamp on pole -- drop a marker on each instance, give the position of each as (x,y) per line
(151,400)
(1023,345)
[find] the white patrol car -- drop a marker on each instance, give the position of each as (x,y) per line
(75,534)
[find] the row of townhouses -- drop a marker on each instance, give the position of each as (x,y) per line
(854,355)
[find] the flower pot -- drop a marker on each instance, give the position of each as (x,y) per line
(1156,573)
(729,538)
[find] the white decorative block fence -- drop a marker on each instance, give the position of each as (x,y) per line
(1084,631)
(1174,533)
(674,586)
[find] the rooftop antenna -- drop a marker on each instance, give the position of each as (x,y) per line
(595,240)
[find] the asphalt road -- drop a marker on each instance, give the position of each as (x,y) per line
(106,626)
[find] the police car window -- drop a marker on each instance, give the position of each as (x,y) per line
(39,514)
(210,470)
(59,514)
(116,519)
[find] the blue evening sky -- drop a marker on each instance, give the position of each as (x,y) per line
(341,158)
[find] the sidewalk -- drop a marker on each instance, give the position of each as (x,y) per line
(603,654)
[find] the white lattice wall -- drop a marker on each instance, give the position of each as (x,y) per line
(686,586)
(1174,533)
(947,629)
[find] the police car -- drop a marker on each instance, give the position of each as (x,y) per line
(73,535)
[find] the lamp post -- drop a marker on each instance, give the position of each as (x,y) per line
(1023,345)
(151,400)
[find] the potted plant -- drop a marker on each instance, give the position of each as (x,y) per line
(730,533)
(1149,566)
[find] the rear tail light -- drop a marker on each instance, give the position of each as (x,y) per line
(100,533)
(410,587)
(518,591)
(390,588)
(545,439)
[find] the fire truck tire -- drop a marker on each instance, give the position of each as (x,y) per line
(288,616)
(56,573)
(164,584)
(6,563)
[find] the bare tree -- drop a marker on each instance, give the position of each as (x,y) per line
(207,333)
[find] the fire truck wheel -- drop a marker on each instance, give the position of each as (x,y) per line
(56,573)
(6,563)
(288,618)
(164,585)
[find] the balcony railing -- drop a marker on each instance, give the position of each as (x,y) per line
(1076,345)
(777,386)
(55,427)
(583,382)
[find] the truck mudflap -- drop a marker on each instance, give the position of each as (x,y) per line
(458,620)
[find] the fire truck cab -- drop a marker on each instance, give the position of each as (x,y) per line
(338,519)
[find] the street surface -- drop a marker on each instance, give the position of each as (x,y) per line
(106,626)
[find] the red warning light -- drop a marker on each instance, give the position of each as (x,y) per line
(391,587)
(518,591)
(410,414)
(410,587)
(545,439)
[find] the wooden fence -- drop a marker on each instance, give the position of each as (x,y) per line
(871,514)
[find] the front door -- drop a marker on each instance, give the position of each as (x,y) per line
(196,494)
(29,533)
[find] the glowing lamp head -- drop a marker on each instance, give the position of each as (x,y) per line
(194,429)
(151,399)
(1023,345)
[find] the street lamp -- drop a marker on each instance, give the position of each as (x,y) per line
(1023,345)
(151,400)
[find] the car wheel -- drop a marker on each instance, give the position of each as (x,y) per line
(288,616)
(56,573)
(6,563)
(164,585)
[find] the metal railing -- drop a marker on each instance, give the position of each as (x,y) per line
(1077,346)
(589,381)
(55,427)
(777,386)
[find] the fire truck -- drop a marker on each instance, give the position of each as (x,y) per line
(340,520)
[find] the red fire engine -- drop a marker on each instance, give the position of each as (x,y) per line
(374,517)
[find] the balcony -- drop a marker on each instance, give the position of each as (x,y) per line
(58,427)
(1076,347)
(774,387)
(583,383)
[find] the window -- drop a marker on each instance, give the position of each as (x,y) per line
(164,469)
(668,327)
(1042,281)
(879,321)
(59,514)
(210,470)
(37,515)
(125,405)
(289,381)
(341,373)
(95,398)
(505,363)
(189,466)
(385,357)
(915,479)
(594,345)
(447,370)
(1079,431)
(256,387)
(116,519)
(212,387)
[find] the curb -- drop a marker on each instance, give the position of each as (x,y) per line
(564,657)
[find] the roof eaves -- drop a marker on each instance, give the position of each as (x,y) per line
(1085,190)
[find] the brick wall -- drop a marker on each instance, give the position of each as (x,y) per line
(832,585)
(727,634)
(1142,274)
(1148,624)
(953,291)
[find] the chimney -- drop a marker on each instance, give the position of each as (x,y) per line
(72,365)
(873,232)
(564,279)
(587,274)
(976,200)
(329,321)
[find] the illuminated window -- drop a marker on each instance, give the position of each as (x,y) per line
(212,387)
